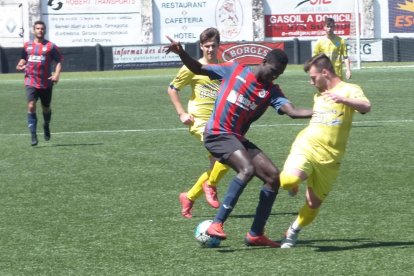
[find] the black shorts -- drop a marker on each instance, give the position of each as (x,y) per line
(223,145)
(45,95)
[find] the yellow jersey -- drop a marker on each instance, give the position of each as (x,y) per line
(335,49)
(204,92)
(326,136)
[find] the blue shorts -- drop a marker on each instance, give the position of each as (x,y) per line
(221,146)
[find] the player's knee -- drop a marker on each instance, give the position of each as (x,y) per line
(247,172)
(289,181)
(314,204)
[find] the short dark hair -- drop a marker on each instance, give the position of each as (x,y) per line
(330,21)
(39,22)
(320,61)
(277,56)
(210,33)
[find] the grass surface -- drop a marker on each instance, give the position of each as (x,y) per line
(101,198)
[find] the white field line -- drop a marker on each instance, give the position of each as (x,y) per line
(184,128)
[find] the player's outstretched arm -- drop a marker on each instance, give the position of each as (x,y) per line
(296,113)
(192,64)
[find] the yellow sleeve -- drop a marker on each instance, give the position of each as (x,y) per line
(183,78)
(317,48)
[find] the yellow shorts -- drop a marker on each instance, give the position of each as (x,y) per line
(321,176)
(197,128)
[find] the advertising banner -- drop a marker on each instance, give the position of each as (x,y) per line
(305,18)
(184,20)
(369,49)
(247,53)
(135,57)
(88,22)
(401,16)
(11,21)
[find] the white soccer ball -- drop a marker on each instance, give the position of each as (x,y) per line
(203,238)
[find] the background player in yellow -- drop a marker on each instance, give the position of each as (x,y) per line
(200,107)
(335,48)
(316,153)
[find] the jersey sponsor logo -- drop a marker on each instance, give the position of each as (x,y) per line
(262,93)
(235,98)
(208,90)
(36,58)
(329,118)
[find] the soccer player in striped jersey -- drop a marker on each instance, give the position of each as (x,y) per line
(36,61)
(245,94)
(335,48)
(200,106)
(317,152)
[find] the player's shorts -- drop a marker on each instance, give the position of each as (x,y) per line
(197,128)
(223,145)
(321,176)
(45,95)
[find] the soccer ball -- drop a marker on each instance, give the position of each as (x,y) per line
(203,238)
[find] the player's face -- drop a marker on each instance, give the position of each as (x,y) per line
(209,49)
(317,79)
(271,71)
(329,29)
(39,31)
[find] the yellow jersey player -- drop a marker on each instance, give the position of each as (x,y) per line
(316,153)
(335,48)
(200,107)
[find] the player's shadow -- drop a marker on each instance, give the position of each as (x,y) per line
(68,145)
(354,244)
(250,216)
(79,145)
(273,214)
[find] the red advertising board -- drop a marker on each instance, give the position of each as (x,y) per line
(298,25)
(247,52)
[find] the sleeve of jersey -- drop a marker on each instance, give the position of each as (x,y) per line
(344,51)
(56,54)
(219,71)
(183,78)
(278,99)
(23,54)
(316,49)
(357,93)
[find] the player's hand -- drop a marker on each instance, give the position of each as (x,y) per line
(332,97)
(21,67)
(54,79)
(186,119)
(174,47)
(348,74)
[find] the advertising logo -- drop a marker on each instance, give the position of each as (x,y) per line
(401,16)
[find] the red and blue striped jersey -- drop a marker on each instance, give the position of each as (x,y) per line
(39,57)
(242,99)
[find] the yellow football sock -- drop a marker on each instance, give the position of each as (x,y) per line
(288,181)
(217,173)
(306,215)
(197,188)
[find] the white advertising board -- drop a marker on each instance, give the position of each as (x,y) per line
(184,20)
(370,49)
(88,22)
(11,21)
(132,57)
